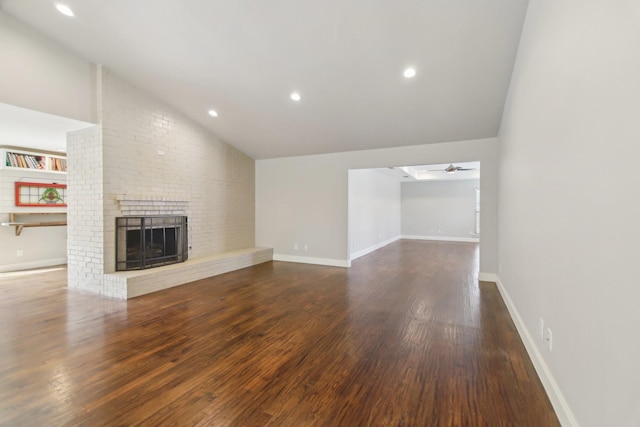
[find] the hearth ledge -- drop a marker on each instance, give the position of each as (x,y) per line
(141,282)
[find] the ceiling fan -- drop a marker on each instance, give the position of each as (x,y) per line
(452,169)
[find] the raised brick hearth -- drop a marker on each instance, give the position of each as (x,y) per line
(141,282)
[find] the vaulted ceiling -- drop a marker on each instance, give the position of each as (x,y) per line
(345,58)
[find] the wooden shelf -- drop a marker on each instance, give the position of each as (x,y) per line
(19,159)
(20,225)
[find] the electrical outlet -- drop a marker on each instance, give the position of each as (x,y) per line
(306,247)
(500,268)
(295,246)
(550,339)
(19,252)
(541,329)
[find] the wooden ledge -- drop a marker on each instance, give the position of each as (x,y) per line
(20,225)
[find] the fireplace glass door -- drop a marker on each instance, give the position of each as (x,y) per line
(151,241)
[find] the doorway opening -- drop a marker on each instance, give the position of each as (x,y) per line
(425,202)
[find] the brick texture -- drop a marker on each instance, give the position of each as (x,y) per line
(85,240)
(147,158)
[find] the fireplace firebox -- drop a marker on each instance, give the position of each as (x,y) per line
(150,241)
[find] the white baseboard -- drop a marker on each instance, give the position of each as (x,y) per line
(487,277)
(32,264)
(560,405)
(311,260)
(442,238)
(374,248)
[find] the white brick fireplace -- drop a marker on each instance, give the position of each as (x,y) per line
(146,159)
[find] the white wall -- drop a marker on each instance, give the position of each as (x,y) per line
(305,199)
(374,211)
(41,246)
(570,206)
(41,75)
(439,209)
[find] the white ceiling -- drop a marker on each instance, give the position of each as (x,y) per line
(244,58)
(27,128)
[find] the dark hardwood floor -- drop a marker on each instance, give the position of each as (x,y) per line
(406,337)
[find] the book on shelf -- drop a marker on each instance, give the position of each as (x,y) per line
(35,161)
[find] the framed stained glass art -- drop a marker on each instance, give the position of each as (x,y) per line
(37,194)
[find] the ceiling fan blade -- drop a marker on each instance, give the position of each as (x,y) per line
(451,169)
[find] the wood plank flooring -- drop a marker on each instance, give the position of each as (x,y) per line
(406,337)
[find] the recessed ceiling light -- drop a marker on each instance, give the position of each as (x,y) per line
(213,113)
(409,72)
(296,96)
(64,9)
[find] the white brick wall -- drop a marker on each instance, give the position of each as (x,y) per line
(85,242)
(153,159)
(8,178)
(216,179)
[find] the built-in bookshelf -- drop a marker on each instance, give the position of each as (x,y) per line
(13,158)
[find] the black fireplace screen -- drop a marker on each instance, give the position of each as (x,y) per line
(150,241)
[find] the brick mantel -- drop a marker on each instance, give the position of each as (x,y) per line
(147,205)
(152,197)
